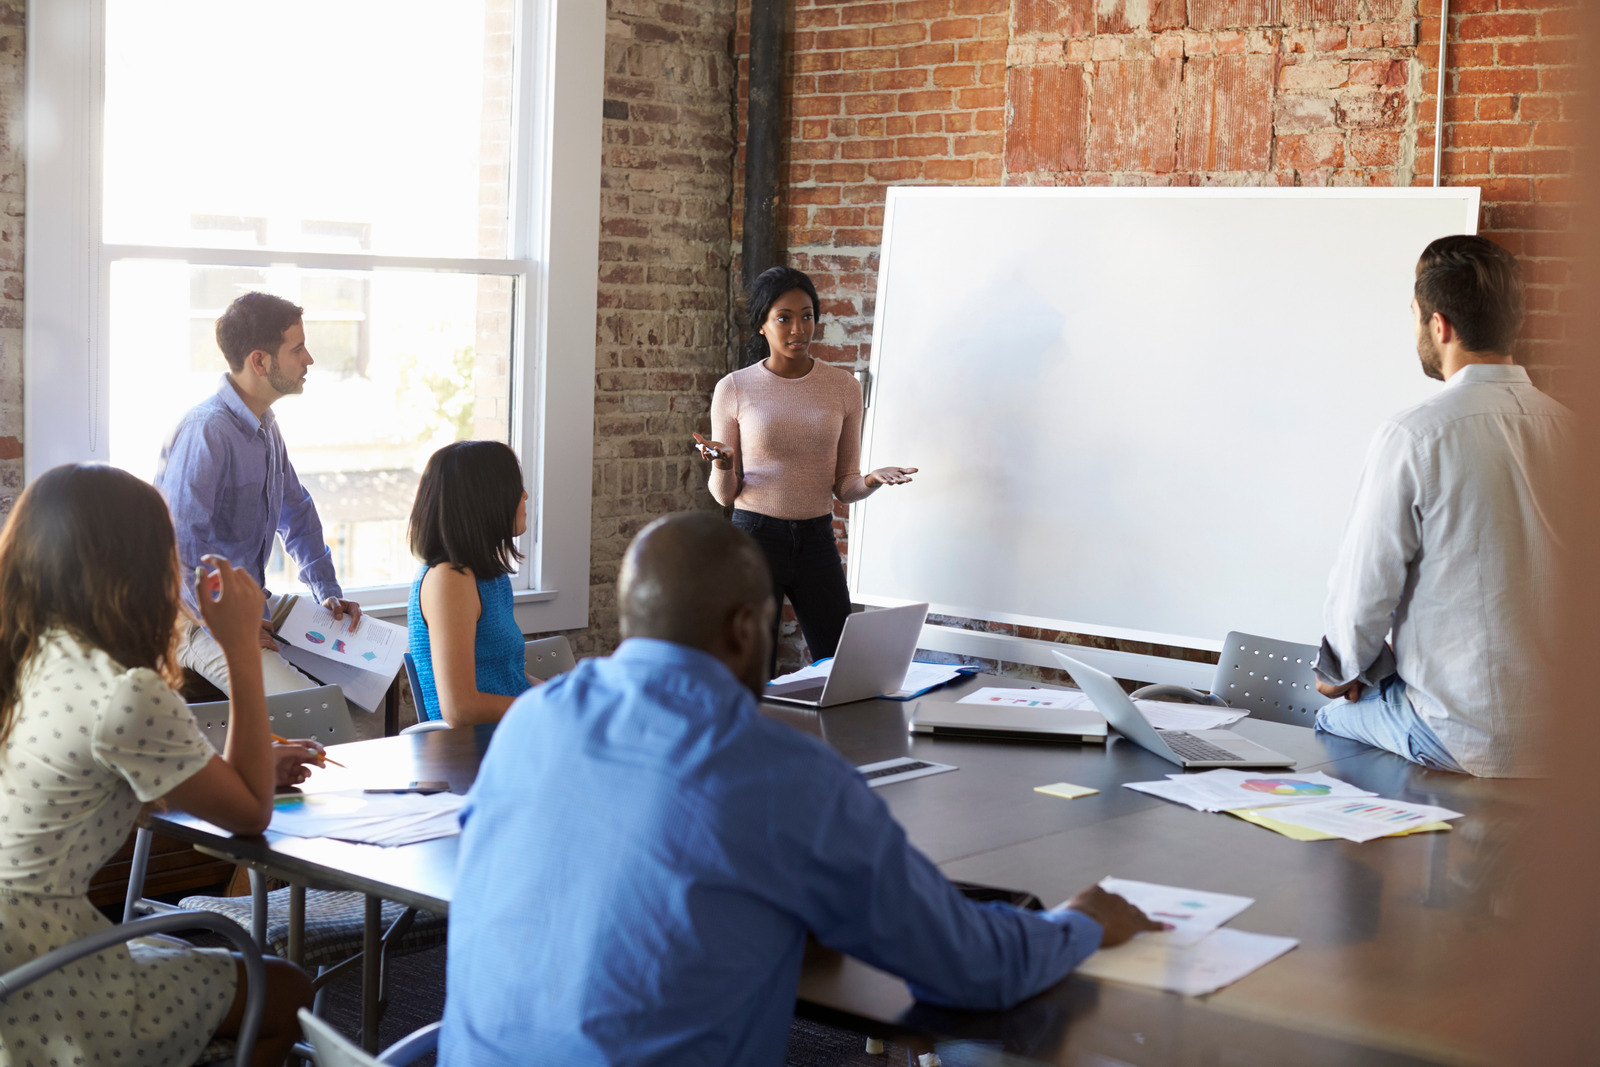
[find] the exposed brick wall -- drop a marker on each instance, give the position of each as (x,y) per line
(1169,92)
(13,74)
(666,184)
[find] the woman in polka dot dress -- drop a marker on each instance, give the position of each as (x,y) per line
(90,730)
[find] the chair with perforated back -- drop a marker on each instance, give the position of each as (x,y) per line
(423,723)
(548,657)
(329,941)
(1270,679)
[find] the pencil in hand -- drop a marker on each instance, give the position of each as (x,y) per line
(322,758)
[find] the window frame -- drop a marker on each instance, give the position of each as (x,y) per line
(554,255)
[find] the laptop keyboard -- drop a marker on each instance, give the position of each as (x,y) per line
(899,768)
(1189,746)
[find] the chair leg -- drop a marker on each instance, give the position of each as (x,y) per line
(258,908)
(136,873)
(297,924)
(371,973)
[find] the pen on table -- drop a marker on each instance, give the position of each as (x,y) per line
(322,757)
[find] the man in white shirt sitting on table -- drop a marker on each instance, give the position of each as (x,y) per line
(1451,551)
(643,852)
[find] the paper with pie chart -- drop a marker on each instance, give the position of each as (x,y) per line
(1193,913)
(1225,789)
(374,645)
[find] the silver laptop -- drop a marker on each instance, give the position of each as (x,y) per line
(1189,749)
(874,654)
(947,719)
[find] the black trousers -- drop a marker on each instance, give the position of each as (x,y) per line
(806,568)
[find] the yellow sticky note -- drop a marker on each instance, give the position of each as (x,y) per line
(1305,833)
(1065,790)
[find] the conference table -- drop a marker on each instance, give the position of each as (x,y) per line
(1396,935)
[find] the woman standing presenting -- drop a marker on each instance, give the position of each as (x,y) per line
(787,441)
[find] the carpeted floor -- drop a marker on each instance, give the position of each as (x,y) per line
(416,998)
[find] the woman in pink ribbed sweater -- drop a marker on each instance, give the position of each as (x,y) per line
(786,441)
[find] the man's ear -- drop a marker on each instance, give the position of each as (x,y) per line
(1444,332)
(744,632)
(258,361)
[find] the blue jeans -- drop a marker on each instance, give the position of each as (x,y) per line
(1384,718)
(805,567)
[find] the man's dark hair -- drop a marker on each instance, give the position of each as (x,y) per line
(466,508)
(764,292)
(1477,286)
(254,320)
(685,574)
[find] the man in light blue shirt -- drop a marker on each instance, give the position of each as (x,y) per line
(643,853)
(227,478)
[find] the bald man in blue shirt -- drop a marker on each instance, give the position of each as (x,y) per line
(644,853)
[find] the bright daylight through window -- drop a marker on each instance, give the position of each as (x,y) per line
(353,156)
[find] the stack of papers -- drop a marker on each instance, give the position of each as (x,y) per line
(1361,820)
(1225,789)
(1194,958)
(920,677)
(386,819)
(362,662)
(1163,715)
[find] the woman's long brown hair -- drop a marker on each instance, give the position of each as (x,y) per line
(88,549)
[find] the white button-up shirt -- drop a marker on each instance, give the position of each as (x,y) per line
(1451,548)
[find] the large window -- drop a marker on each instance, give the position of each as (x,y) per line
(392,166)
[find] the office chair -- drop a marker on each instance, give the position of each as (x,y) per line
(543,659)
(1269,679)
(330,1048)
(255,971)
(329,937)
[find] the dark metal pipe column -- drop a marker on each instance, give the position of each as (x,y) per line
(764,121)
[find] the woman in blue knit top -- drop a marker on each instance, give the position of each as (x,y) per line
(463,637)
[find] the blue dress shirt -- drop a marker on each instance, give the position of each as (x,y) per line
(499,654)
(229,483)
(643,854)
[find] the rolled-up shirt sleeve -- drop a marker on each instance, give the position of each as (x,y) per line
(301,530)
(876,897)
(1381,541)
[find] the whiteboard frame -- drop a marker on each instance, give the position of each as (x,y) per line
(1006,646)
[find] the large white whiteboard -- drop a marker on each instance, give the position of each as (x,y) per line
(1137,412)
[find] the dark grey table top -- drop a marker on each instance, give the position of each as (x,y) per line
(1390,930)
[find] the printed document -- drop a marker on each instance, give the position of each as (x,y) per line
(1224,789)
(1193,913)
(1219,959)
(1363,820)
(374,645)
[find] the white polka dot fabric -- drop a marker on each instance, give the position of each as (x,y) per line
(90,744)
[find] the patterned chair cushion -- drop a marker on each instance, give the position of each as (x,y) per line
(334,924)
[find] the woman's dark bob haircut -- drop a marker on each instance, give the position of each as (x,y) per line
(466,509)
(764,292)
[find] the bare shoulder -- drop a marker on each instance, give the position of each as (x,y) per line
(446,587)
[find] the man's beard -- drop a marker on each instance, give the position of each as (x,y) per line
(1432,360)
(281,382)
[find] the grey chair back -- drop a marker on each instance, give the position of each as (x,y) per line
(1270,679)
(320,714)
(548,657)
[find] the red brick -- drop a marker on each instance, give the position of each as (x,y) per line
(1388,72)
(1487,82)
(832,40)
(867,149)
(814,61)
(954,76)
(1528,216)
(929,100)
(911,147)
(860,13)
(894,170)
(902,33)
(1167,15)
(855,81)
(1316,74)
(926,55)
(980,144)
(987,96)
(896,79)
(1560,80)
(921,10)
(1490,134)
(1068,18)
(948,170)
(1479,27)
(1227,113)
(1555,134)
(919,124)
(1534,108)
(1309,150)
(981,51)
(1491,108)
(1132,123)
(1222,14)
(952,29)
(1533,161)
(869,59)
(867,103)
(1049,109)
(1537,53)
(822,194)
(1374,148)
(1559,23)
(1366,109)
